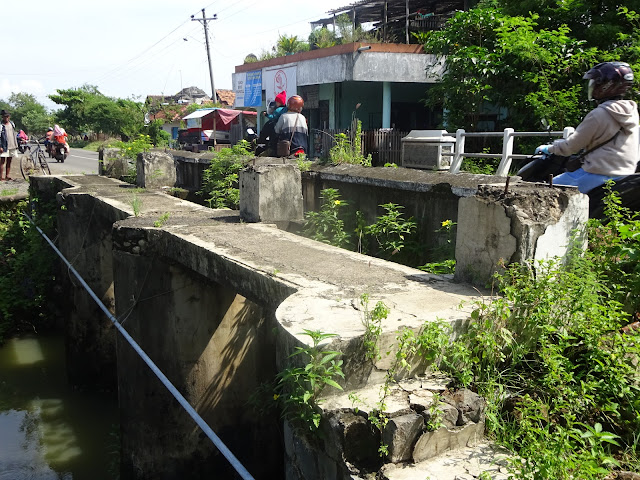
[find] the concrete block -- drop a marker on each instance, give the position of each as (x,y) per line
(155,169)
(271,193)
(112,163)
(530,222)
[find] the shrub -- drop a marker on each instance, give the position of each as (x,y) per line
(220,180)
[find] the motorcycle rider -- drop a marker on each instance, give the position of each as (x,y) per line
(609,133)
(292,126)
(60,138)
(268,136)
(47,140)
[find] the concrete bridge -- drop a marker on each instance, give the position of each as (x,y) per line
(219,304)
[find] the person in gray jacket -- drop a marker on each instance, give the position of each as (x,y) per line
(609,134)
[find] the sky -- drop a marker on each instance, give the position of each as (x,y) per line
(135,48)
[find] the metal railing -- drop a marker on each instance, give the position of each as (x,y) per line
(507,155)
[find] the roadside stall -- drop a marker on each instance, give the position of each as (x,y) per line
(209,127)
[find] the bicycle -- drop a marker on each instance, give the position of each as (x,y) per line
(35,162)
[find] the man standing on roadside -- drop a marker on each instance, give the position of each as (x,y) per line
(8,143)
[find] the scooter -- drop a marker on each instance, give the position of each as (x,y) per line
(58,151)
(542,167)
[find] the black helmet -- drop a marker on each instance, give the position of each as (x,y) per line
(609,80)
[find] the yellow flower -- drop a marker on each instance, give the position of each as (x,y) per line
(275,396)
(337,202)
(447,223)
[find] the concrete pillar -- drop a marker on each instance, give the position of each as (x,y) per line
(155,170)
(386,105)
(530,222)
(271,193)
(212,344)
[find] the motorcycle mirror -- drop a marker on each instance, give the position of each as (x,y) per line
(545,124)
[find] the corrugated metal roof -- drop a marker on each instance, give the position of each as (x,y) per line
(199,113)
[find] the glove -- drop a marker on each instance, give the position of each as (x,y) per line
(542,149)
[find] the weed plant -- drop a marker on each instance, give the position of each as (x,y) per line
(26,269)
(392,234)
(372,322)
(560,376)
(443,256)
(349,150)
(327,225)
(220,180)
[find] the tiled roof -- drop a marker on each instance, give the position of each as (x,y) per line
(227,97)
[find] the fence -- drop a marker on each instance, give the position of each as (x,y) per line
(507,154)
(384,145)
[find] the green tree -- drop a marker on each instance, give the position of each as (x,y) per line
(322,38)
(288,45)
(525,66)
(85,108)
(27,113)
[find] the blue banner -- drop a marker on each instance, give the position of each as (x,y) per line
(253,89)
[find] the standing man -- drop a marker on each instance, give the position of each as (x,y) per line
(8,143)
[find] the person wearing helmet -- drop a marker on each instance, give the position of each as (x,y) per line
(268,136)
(47,140)
(608,134)
(292,126)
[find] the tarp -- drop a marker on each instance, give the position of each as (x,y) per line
(223,116)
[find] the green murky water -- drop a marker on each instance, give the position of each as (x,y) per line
(47,429)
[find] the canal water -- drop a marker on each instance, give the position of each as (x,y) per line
(48,430)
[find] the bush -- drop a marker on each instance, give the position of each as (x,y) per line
(26,269)
(220,180)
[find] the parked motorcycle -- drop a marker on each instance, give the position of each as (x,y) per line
(543,166)
(58,151)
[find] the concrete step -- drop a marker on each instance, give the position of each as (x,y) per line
(466,463)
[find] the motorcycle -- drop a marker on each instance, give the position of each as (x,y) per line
(58,151)
(542,167)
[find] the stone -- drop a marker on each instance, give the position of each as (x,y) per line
(470,405)
(400,434)
(432,444)
(448,415)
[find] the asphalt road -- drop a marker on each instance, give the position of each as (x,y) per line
(78,161)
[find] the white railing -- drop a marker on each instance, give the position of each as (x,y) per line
(507,154)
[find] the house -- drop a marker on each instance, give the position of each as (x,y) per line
(172,108)
(171,116)
(382,84)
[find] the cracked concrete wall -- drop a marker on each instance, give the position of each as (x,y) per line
(530,222)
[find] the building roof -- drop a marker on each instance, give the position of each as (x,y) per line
(226,97)
(391,25)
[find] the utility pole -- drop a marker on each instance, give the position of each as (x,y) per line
(204,21)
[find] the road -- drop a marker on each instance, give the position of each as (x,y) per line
(78,161)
